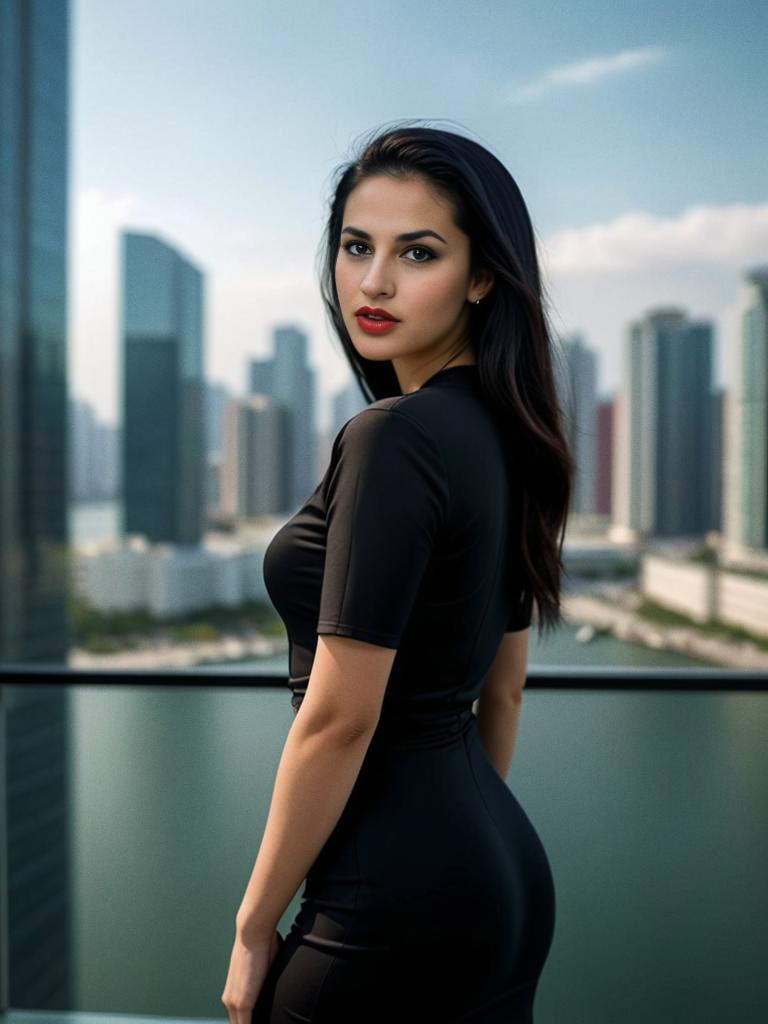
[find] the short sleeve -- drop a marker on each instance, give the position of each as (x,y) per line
(521,615)
(385,503)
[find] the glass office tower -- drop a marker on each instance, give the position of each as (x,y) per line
(163,397)
(34,115)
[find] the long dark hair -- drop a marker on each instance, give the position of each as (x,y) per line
(509,329)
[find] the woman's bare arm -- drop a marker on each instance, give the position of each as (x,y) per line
(497,722)
(320,762)
(501,700)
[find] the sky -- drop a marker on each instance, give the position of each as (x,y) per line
(638,136)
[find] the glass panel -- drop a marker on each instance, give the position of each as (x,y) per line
(134,816)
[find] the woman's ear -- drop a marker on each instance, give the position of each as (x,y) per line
(482,284)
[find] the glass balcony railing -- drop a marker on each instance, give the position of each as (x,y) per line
(133,806)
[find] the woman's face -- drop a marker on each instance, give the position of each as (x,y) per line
(424,282)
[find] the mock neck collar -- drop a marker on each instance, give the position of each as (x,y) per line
(460,371)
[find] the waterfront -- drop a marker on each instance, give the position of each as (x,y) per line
(101,521)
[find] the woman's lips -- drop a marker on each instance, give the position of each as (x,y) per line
(375,326)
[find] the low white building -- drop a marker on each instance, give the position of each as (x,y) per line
(165,580)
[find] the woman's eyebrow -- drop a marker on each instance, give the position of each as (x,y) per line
(408,236)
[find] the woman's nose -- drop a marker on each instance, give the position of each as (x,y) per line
(376,280)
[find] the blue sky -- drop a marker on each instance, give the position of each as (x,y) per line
(637,136)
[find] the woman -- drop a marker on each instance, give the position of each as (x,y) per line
(406,582)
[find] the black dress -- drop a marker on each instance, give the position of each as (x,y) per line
(432,899)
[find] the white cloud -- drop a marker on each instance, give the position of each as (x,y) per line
(587,72)
(727,236)
(602,276)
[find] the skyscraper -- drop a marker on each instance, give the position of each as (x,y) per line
(253,475)
(164,437)
(745,497)
(34,173)
(577,383)
(663,453)
(293,384)
(34,621)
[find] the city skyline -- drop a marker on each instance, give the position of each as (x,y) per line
(616,137)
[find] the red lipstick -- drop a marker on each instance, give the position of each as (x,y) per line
(375,320)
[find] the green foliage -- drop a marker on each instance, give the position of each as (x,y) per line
(109,632)
(654,612)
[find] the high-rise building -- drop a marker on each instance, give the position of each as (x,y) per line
(260,376)
(293,386)
(288,381)
(34,544)
(164,428)
(216,398)
(663,452)
(93,465)
(745,494)
(603,485)
(253,480)
(34,175)
(577,384)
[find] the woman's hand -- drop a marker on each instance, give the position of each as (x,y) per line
(248,967)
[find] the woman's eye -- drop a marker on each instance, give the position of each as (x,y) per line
(414,248)
(420,248)
(346,247)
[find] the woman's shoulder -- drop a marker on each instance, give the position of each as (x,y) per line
(446,424)
(427,408)
(387,424)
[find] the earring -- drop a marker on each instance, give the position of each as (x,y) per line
(477,302)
